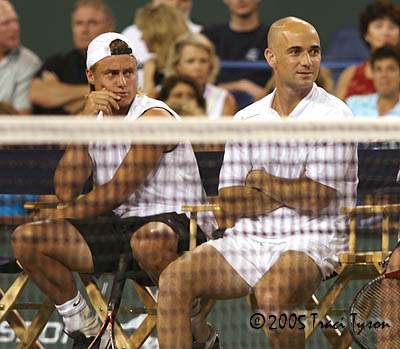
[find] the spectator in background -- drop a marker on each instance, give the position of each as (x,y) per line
(60,86)
(385,65)
(182,94)
(194,55)
(186,7)
(134,34)
(160,26)
(379,25)
(18,64)
(243,38)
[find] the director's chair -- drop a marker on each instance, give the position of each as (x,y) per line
(352,265)
(30,170)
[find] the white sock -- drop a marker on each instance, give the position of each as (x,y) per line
(77,316)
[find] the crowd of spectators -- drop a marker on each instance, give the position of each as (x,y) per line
(168,42)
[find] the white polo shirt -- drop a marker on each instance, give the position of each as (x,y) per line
(330,163)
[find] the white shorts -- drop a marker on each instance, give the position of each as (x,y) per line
(251,259)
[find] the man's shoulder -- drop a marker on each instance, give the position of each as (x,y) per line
(29,56)
(63,57)
(330,104)
(257,109)
(215,29)
(143,103)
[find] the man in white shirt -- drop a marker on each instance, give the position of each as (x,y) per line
(18,64)
(285,197)
(127,212)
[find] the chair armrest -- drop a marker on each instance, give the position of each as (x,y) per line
(45,205)
(201,208)
(384,210)
(363,209)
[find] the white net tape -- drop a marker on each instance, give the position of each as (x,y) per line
(39,130)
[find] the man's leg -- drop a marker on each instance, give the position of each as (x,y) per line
(154,245)
(201,272)
(49,251)
(289,283)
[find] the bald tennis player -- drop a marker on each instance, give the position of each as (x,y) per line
(285,199)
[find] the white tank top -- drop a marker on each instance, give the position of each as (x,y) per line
(174,181)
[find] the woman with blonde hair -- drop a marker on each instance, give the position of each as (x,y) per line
(194,55)
(160,26)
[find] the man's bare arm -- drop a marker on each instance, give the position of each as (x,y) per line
(72,172)
(136,166)
(54,94)
(134,169)
(244,201)
(249,86)
(300,193)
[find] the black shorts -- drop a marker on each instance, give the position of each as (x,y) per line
(109,236)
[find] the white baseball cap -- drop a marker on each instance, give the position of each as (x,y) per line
(99,48)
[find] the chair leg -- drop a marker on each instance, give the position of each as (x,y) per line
(345,340)
(100,305)
(147,326)
(329,300)
(9,299)
(37,325)
(27,335)
(332,335)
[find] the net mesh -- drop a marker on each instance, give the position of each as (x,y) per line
(289,179)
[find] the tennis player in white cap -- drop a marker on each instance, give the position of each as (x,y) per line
(127,212)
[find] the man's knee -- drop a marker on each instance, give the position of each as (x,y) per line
(174,282)
(155,245)
(289,283)
(26,241)
(22,237)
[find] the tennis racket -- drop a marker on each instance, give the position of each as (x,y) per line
(374,316)
(114,302)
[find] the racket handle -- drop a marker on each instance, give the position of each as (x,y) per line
(118,283)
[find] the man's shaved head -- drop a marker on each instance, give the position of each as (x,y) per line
(283,25)
(294,53)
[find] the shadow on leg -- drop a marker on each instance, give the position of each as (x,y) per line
(203,272)
(289,283)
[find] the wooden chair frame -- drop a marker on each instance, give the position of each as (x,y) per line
(99,302)
(9,311)
(352,265)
